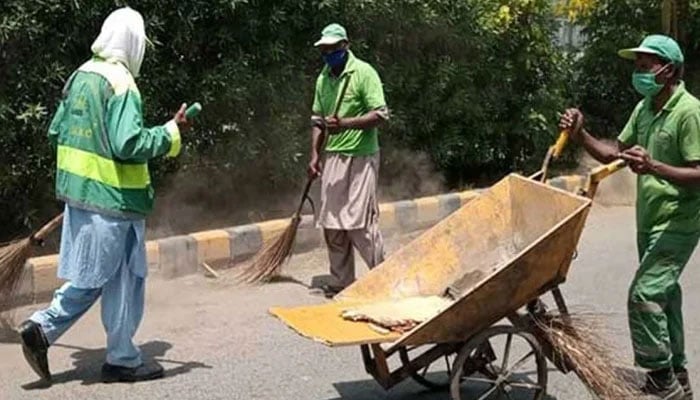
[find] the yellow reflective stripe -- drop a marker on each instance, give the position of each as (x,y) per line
(116,74)
(175,139)
(92,166)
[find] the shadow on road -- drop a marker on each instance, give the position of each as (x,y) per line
(88,364)
(370,390)
(288,279)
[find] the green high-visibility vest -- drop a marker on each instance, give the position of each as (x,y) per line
(102,147)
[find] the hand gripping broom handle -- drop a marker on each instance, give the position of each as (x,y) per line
(305,194)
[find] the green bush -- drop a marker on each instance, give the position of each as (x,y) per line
(474,84)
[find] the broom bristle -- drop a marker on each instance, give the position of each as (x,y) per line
(268,262)
(13,257)
(577,339)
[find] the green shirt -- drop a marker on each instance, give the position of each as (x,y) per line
(364,94)
(102,146)
(671,136)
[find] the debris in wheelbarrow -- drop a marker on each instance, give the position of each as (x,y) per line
(403,314)
(399,315)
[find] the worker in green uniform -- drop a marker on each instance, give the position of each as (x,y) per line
(661,144)
(349,169)
(102,175)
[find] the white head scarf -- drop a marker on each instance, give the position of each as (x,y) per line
(123,37)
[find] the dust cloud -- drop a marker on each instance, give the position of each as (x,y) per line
(194,200)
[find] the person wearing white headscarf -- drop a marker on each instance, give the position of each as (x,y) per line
(123,38)
(102,176)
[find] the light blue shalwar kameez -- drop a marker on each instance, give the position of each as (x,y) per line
(100,255)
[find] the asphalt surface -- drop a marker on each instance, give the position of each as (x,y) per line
(217,341)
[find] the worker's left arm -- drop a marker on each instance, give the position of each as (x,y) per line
(372,92)
(689,145)
(129,139)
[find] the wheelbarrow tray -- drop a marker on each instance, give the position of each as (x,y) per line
(495,254)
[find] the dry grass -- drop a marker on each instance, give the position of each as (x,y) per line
(267,264)
(13,256)
(578,340)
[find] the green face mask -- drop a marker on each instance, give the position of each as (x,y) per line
(645,82)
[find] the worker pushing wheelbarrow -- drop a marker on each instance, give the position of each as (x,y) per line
(436,303)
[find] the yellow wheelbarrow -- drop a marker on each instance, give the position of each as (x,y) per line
(495,257)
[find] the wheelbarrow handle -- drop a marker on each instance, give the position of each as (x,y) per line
(559,145)
(600,173)
(553,152)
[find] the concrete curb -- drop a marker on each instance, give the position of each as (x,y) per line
(178,256)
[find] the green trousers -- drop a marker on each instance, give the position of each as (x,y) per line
(655,299)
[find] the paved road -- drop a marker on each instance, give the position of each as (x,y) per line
(217,341)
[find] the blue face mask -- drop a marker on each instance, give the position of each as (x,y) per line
(335,58)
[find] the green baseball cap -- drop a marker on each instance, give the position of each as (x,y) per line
(332,34)
(660,45)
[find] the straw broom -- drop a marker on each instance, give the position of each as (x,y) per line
(577,341)
(269,260)
(14,256)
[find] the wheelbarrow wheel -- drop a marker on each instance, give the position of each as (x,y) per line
(435,376)
(520,372)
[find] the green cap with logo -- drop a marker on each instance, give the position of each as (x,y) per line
(331,35)
(660,45)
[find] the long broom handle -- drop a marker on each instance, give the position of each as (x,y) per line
(46,230)
(342,94)
(304,195)
(310,181)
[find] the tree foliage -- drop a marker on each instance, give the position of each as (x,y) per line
(475,84)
